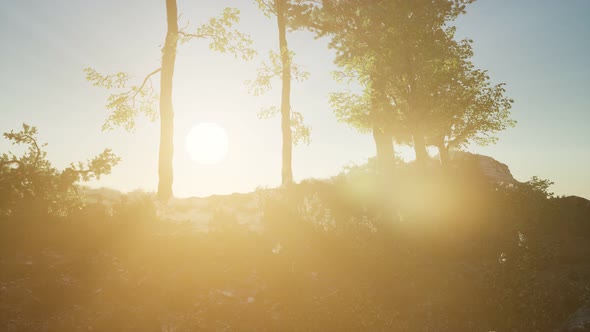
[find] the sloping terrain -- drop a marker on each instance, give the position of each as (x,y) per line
(350,253)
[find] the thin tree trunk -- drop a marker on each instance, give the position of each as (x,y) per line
(443,153)
(385,152)
(287,171)
(420,149)
(416,116)
(165,166)
(382,137)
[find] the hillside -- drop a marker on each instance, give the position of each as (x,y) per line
(245,207)
(316,256)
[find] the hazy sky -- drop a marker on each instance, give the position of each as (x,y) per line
(538,47)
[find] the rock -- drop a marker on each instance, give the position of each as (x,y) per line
(490,167)
(579,321)
(495,170)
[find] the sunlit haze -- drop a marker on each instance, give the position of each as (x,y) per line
(295,165)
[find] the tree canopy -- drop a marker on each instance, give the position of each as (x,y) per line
(418,82)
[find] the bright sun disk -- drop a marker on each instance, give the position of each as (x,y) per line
(207,143)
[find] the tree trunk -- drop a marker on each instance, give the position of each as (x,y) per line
(420,149)
(415,118)
(382,137)
(287,172)
(385,152)
(165,166)
(443,153)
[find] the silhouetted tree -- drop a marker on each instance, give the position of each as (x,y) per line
(457,102)
(356,42)
(415,51)
(395,48)
(140,99)
(368,112)
(471,110)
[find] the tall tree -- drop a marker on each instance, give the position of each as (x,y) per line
(368,111)
(415,55)
(459,105)
(398,42)
(471,111)
(292,127)
(133,100)
(165,160)
(413,71)
(287,172)
(356,42)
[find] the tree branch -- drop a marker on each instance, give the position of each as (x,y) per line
(193,35)
(271,8)
(36,146)
(145,80)
(14,161)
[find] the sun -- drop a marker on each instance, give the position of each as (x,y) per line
(207,143)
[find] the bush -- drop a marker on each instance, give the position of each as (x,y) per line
(30,185)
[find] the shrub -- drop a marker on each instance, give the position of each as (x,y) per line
(30,185)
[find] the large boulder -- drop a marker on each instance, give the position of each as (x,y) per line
(489,167)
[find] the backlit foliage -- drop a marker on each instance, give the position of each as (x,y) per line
(273,69)
(301,131)
(30,184)
(352,109)
(222,35)
(263,83)
(129,101)
(416,79)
